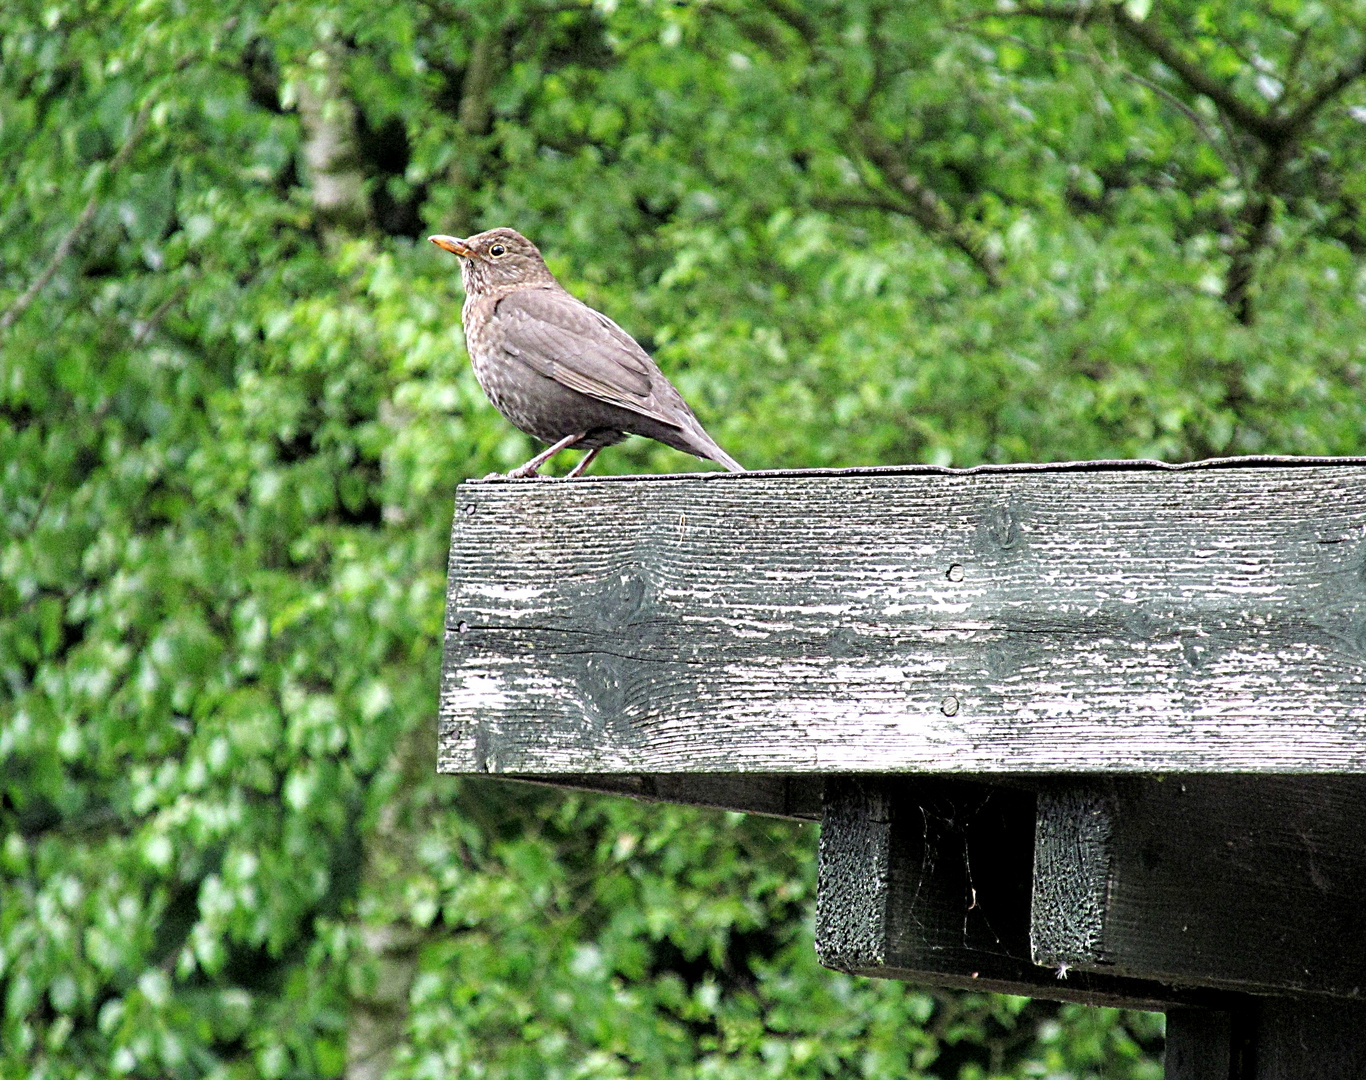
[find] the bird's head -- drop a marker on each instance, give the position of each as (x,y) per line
(496,259)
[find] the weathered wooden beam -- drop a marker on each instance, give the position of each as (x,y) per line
(1033,621)
(1241,883)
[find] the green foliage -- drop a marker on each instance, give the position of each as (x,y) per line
(231,425)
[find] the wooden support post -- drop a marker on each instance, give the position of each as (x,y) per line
(1268,1039)
(1209,1044)
(1094,732)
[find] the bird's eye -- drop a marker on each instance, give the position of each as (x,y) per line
(497,250)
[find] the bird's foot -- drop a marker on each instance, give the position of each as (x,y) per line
(524,471)
(516,474)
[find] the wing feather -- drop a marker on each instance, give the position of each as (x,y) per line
(566,340)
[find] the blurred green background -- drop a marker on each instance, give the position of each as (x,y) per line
(235,405)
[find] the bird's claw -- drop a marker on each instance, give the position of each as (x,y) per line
(517,474)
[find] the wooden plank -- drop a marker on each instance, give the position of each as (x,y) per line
(1030,622)
(1268,1039)
(1240,883)
(928,880)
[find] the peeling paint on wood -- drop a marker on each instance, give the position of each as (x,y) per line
(1121,620)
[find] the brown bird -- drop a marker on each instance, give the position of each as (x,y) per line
(562,372)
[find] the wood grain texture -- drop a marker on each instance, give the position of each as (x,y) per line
(1031,621)
(1074,829)
(1268,1039)
(1212,1043)
(1298,1040)
(1249,884)
(1200,1045)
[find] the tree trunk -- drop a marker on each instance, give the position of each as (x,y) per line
(330,151)
(389,947)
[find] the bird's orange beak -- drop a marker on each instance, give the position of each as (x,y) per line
(453,244)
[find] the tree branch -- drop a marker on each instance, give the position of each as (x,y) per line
(1279,130)
(143,329)
(871,202)
(1196,78)
(796,18)
(1229,155)
(67,242)
(476,104)
(1326,91)
(1254,232)
(1292,65)
(1190,73)
(928,208)
(474,117)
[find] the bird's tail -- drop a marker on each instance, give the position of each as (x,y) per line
(707,447)
(719,455)
(692,438)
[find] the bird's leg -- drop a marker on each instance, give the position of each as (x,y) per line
(529,469)
(578,469)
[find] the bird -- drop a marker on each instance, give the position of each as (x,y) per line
(561,371)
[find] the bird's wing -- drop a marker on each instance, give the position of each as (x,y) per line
(566,340)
